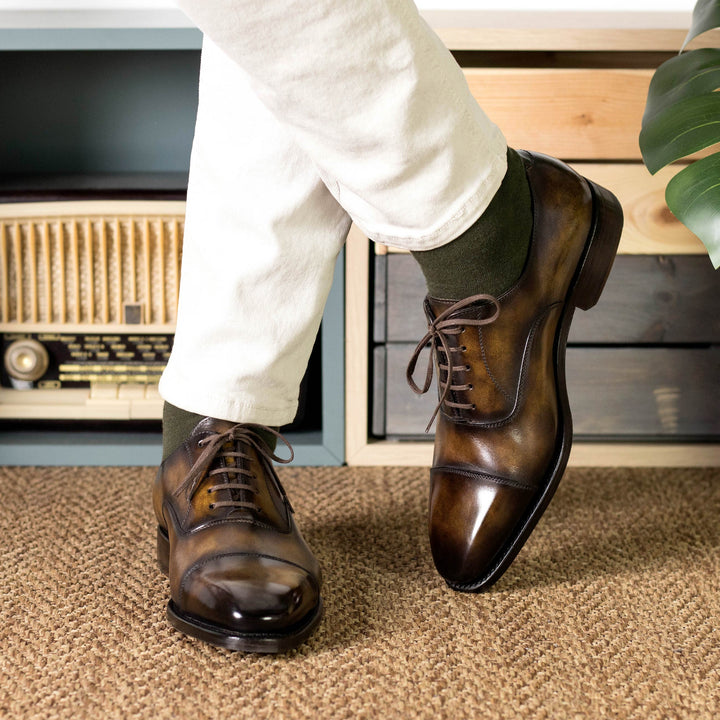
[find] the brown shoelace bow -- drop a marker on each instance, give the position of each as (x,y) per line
(216,446)
(437,336)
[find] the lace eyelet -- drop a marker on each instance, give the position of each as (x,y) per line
(463,348)
(470,387)
(211,506)
(468,368)
(473,407)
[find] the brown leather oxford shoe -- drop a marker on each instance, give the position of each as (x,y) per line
(504,429)
(241,575)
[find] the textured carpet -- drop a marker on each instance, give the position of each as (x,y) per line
(611,610)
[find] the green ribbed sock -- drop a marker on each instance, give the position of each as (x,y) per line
(490,255)
(178,424)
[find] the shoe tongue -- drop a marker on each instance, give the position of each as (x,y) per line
(480,308)
(214,425)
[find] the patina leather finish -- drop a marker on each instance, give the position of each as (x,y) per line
(241,575)
(504,428)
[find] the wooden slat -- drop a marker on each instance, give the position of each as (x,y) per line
(650,300)
(147,270)
(33,276)
(4,275)
(161,271)
(650,228)
(175,256)
(647,300)
(131,257)
(357,286)
(48,268)
(90,271)
(634,392)
(571,114)
(118,312)
(586,39)
(579,30)
(19,294)
(583,454)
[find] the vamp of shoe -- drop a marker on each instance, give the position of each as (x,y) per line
(241,575)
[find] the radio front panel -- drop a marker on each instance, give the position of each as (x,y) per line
(88,302)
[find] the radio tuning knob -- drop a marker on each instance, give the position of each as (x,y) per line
(26,360)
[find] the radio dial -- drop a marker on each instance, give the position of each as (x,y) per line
(26,360)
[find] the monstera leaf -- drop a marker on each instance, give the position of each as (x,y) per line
(682,117)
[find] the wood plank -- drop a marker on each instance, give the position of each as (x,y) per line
(643,393)
(509,29)
(571,114)
(647,299)
(650,228)
(583,454)
(561,39)
(357,287)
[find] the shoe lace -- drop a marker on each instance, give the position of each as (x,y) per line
(227,446)
(440,331)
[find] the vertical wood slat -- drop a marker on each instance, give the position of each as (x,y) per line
(132,270)
(91,271)
(146,270)
(161,264)
(119,265)
(48,268)
(75,252)
(62,278)
(32,264)
(17,244)
(176,259)
(4,275)
(104,285)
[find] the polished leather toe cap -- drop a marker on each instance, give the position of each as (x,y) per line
(250,594)
(471,518)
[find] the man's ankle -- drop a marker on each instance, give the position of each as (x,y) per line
(490,255)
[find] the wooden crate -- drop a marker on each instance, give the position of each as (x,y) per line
(654,336)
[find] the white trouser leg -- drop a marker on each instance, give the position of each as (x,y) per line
(375,99)
(262,235)
(315,110)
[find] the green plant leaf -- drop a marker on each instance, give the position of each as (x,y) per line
(694,73)
(706,16)
(691,125)
(693,196)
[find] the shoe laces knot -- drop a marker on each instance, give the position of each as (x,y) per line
(437,337)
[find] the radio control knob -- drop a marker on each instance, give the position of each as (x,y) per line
(26,360)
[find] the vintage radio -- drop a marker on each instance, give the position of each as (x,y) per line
(88,299)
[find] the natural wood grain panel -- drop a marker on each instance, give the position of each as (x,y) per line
(573,114)
(572,39)
(583,454)
(650,228)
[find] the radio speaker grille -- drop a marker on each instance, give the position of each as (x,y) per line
(96,270)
